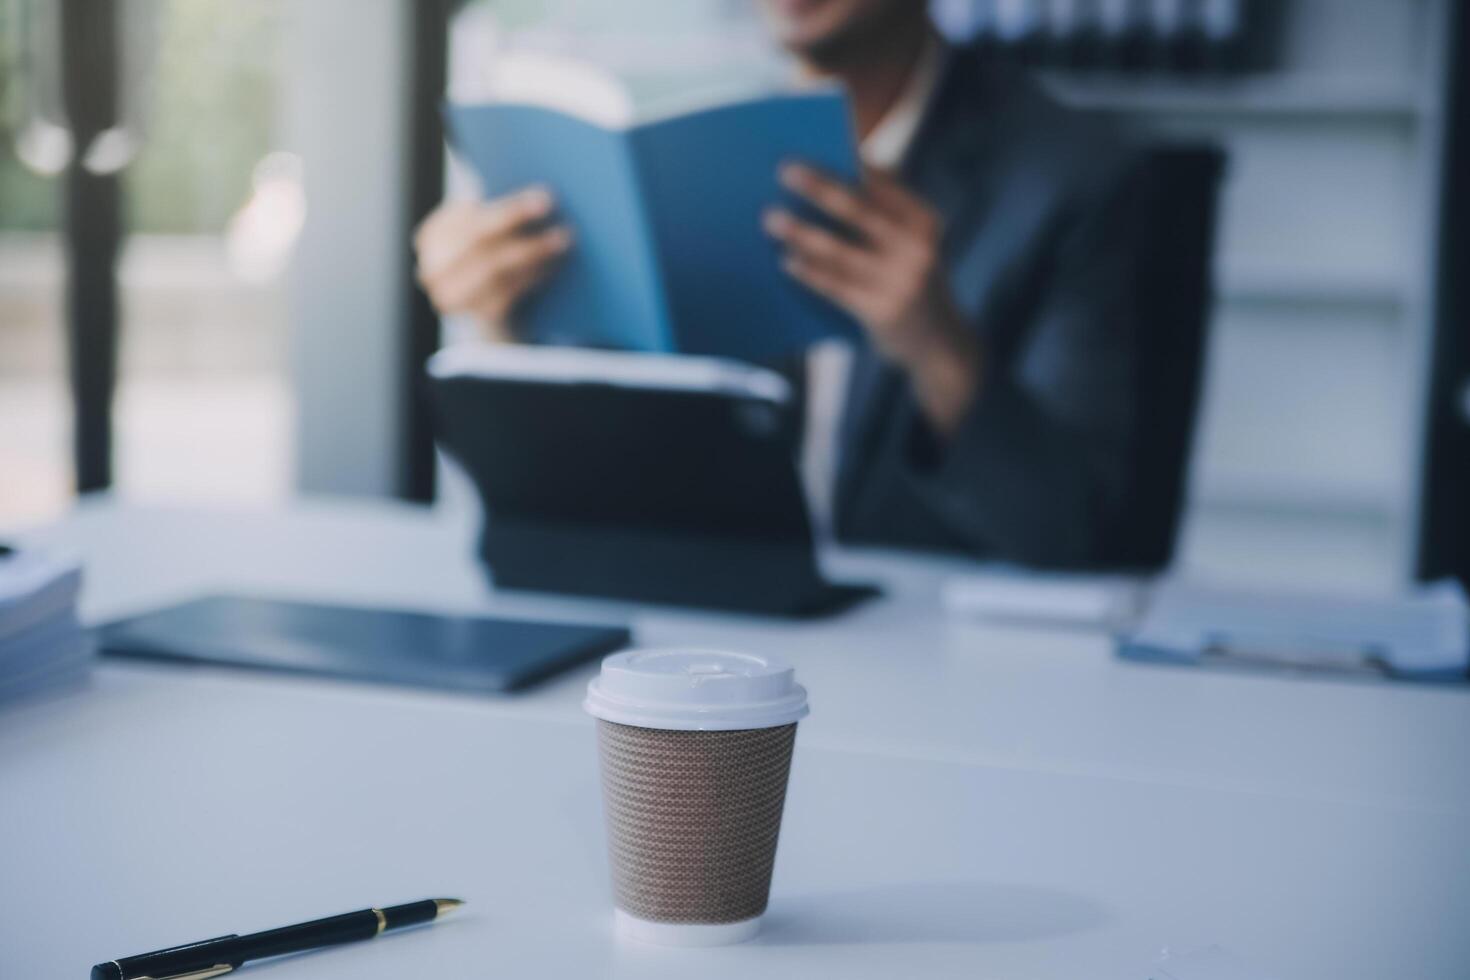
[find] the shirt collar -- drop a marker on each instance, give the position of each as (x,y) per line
(885,147)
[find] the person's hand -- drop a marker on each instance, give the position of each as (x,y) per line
(889,275)
(482,257)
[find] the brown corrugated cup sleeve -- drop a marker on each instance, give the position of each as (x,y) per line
(693,818)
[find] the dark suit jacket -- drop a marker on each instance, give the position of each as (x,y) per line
(1042,212)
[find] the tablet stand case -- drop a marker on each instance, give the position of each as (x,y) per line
(677,496)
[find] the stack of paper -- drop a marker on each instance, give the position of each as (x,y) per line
(42,644)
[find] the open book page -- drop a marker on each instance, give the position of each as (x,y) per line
(669,253)
(605,291)
(706,178)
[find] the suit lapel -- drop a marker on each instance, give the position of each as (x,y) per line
(940,166)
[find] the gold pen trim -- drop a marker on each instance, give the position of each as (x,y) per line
(382,922)
(209,971)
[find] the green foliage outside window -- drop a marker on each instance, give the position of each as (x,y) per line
(210,92)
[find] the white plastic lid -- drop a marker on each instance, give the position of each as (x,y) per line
(695,690)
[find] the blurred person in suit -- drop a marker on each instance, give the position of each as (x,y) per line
(993,267)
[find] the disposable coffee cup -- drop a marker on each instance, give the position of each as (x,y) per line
(696,750)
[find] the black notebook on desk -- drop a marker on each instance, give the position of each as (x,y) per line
(635,476)
(414,649)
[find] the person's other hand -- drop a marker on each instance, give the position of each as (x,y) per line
(889,275)
(481,258)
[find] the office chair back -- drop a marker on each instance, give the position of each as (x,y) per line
(1175,297)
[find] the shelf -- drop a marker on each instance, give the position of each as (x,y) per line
(1256,96)
(1289,287)
(1348,499)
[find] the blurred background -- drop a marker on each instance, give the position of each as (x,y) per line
(247,174)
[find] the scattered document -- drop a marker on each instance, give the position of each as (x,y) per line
(42,644)
(1422,635)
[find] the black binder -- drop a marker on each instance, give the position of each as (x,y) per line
(631,476)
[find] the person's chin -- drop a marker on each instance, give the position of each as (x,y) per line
(802,24)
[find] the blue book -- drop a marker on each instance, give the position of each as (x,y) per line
(669,253)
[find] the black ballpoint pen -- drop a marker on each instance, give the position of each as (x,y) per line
(214,957)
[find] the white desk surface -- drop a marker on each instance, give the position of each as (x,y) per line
(966,801)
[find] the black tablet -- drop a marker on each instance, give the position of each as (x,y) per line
(416,649)
(658,479)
